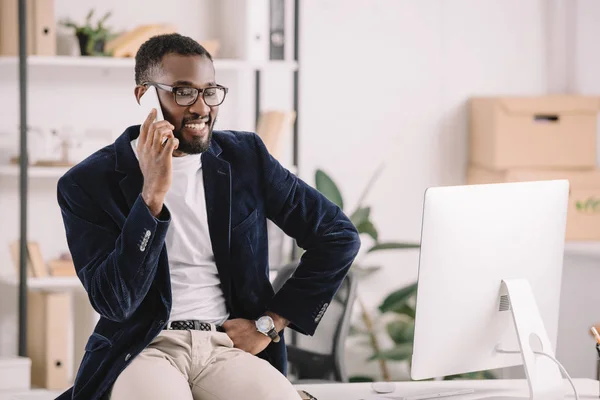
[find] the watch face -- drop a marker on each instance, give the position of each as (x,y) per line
(264,324)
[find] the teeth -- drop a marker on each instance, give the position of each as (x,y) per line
(199,126)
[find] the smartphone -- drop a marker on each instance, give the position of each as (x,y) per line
(149,100)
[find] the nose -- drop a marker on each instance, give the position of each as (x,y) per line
(200,107)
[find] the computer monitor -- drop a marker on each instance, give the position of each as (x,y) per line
(490,266)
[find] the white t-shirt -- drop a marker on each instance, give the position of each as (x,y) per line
(195,283)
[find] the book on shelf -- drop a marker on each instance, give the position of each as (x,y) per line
(36,268)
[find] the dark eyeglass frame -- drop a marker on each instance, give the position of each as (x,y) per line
(173,89)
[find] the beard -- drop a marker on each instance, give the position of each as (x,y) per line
(195,145)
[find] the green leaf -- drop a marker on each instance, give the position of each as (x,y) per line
(368,228)
(88,18)
(360,216)
(328,188)
(404,309)
(579,205)
(361,378)
(393,246)
(400,352)
(401,331)
(396,299)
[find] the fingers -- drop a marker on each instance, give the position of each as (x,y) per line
(145,127)
(157,131)
(159,137)
(171,145)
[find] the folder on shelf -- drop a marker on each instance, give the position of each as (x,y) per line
(277,29)
(41,27)
(15,255)
(48,322)
(36,266)
(37,260)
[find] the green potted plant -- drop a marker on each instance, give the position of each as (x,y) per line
(92,37)
(361,218)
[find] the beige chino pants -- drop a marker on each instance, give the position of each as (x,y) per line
(199,365)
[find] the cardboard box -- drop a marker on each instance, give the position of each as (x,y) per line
(583,218)
(555,131)
(41,28)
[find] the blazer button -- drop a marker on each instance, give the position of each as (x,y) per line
(127,357)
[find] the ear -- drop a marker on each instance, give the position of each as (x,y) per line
(139,91)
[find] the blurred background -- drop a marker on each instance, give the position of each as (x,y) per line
(370,101)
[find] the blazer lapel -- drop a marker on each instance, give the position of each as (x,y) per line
(217,187)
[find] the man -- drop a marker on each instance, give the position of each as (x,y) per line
(167,229)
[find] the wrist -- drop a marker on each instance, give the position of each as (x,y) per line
(153,202)
(280,322)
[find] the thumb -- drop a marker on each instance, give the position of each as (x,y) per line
(173,145)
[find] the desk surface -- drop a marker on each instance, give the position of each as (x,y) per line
(587,389)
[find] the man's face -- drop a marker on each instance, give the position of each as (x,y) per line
(193,124)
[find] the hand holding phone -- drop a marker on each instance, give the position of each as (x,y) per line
(155,148)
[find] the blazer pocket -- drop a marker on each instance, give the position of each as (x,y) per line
(97,342)
(248,221)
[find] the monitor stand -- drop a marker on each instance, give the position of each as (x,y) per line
(543,375)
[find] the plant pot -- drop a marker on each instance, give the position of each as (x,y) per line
(89,46)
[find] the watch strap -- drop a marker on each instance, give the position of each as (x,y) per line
(273,335)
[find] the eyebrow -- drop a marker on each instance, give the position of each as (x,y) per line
(188,83)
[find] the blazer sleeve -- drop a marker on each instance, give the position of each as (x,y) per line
(320,227)
(115,267)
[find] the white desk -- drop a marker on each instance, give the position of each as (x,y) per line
(587,388)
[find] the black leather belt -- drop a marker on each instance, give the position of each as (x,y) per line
(193,325)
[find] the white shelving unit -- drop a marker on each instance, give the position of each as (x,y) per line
(48,284)
(93,95)
(129,63)
(33,172)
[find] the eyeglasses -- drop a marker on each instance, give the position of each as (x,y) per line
(186,96)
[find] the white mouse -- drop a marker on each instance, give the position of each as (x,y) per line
(383,387)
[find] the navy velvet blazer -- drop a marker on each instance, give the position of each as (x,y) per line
(120,256)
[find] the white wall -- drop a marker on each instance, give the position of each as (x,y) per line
(423,60)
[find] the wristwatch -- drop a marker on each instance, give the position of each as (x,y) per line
(266,326)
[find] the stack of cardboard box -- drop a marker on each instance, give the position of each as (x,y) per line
(515,139)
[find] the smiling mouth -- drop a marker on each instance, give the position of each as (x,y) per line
(197,127)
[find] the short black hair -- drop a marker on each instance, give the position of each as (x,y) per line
(149,56)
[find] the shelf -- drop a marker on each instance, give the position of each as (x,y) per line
(33,172)
(51,283)
(129,63)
